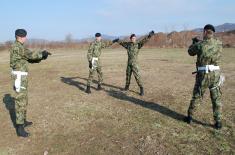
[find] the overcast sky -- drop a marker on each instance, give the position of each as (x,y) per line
(54,19)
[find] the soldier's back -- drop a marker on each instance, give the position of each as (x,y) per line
(210,52)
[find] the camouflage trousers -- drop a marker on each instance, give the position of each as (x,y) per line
(133,68)
(21,100)
(91,75)
(204,81)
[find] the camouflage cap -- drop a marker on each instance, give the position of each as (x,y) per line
(98,35)
(20,32)
(209,27)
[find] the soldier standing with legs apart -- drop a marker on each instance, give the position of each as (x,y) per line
(208,72)
(20,56)
(133,47)
(93,57)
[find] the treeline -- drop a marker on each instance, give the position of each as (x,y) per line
(160,40)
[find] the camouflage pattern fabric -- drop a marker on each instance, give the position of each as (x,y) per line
(19,57)
(208,52)
(132,64)
(94,51)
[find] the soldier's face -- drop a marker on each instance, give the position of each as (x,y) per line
(98,38)
(207,34)
(22,39)
(133,39)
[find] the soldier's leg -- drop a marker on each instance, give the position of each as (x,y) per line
(25,114)
(128,76)
(198,92)
(26,122)
(21,101)
(100,75)
(89,80)
(91,75)
(215,95)
(136,73)
(20,108)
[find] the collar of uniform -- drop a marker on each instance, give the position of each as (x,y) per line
(18,42)
(97,42)
(208,38)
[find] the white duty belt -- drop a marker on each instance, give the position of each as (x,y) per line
(208,68)
(94,62)
(18,75)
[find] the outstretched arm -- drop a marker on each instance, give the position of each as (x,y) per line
(124,44)
(32,55)
(106,44)
(145,39)
(36,57)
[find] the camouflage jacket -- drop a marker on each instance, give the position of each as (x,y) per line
(208,52)
(95,49)
(133,48)
(20,55)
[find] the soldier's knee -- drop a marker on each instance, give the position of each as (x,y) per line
(218,105)
(217,115)
(21,96)
(215,93)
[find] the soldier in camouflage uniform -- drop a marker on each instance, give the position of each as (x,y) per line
(208,72)
(93,57)
(19,59)
(133,47)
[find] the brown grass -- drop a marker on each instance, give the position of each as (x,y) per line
(68,121)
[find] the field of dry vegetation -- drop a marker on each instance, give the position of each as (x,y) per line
(67,121)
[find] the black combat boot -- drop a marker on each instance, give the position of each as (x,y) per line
(21,132)
(88,89)
(27,123)
(188,119)
(99,87)
(126,87)
(141,91)
(218,125)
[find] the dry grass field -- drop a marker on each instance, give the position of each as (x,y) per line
(67,121)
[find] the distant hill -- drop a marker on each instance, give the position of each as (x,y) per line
(220,28)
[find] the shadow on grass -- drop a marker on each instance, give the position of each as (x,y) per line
(9,102)
(150,105)
(82,86)
(153,106)
(122,96)
(71,81)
